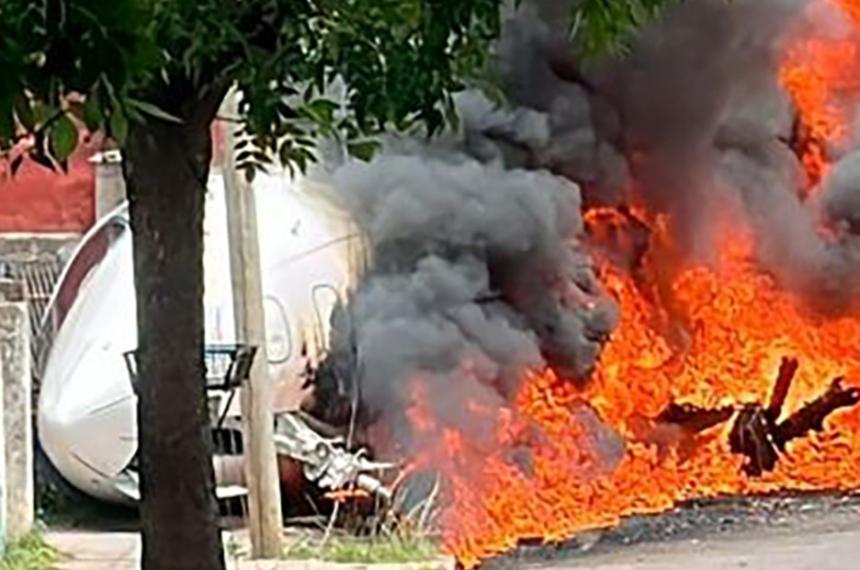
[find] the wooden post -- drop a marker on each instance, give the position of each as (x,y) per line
(264,500)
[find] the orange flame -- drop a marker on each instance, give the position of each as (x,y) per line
(541,477)
(709,336)
(822,77)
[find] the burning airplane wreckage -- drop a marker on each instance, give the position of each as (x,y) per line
(634,284)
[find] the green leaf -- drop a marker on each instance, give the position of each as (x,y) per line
(322,111)
(153,111)
(285,152)
(118,126)
(92,115)
(133,115)
(63,138)
(24,112)
(363,150)
(42,112)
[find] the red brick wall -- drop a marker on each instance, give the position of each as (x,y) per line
(37,200)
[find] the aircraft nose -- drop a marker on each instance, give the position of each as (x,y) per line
(91,419)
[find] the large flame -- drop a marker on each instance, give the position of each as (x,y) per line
(710,336)
(540,477)
(822,76)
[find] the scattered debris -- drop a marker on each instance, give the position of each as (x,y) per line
(787,371)
(694,419)
(326,461)
(752,436)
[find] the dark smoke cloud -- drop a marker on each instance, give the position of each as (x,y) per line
(476,276)
(477,270)
(694,124)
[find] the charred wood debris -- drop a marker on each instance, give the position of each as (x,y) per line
(761,432)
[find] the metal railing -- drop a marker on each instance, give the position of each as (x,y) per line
(38,278)
(227,365)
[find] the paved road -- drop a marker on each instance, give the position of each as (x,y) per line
(816,550)
(819,546)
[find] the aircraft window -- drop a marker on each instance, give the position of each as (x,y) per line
(279,344)
(88,258)
(325,298)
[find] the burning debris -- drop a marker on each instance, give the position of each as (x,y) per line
(756,431)
(327,462)
(679,427)
(820,74)
(759,435)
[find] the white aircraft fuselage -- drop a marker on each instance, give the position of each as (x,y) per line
(87,421)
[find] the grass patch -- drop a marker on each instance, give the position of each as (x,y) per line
(30,553)
(376,550)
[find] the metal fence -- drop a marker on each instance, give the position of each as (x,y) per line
(38,277)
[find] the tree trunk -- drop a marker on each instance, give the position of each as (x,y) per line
(166,167)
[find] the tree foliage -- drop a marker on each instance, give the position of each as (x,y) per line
(602,26)
(107,64)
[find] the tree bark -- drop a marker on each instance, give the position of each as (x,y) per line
(166,167)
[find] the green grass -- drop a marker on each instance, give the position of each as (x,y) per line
(31,553)
(376,550)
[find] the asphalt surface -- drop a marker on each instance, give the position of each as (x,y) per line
(828,550)
(820,532)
